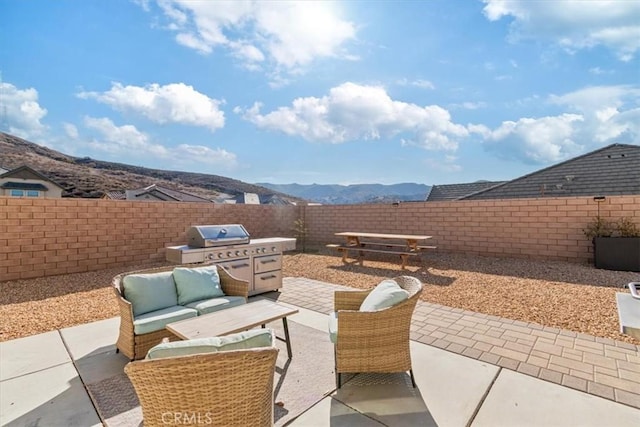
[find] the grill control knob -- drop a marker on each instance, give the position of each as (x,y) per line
(228,254)
(273,248)
(237,253)
(220,255)
(245,252)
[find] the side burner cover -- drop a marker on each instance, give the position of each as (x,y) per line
(204,236)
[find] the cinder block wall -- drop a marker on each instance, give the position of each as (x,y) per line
(543,228)
(42,237)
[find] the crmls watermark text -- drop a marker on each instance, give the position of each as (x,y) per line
(187,418)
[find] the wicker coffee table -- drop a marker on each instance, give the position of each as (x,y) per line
(235,319)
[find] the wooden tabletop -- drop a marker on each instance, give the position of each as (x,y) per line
(383,236)
(230,320)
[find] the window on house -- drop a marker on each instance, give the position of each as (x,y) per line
(33,193)
(17,193)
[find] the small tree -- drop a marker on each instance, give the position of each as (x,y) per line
(300,232)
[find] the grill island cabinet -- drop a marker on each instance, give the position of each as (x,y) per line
(259,261)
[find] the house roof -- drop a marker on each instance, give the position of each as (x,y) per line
(25,172)
(162,194)
(10,185)
(455,191)
(611,170)
(115,195)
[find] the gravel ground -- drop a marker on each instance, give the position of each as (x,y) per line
(558,294)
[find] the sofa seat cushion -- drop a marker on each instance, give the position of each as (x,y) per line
(157,320)
(386,294)
(333,327)
(196,284)
(215,304)
(254,338)
(150,292)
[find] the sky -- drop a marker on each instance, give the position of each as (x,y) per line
(351,92)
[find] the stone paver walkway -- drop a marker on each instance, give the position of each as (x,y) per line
(595,365)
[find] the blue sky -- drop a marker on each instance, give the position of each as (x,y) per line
(433,91)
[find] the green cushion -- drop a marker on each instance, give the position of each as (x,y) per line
(387,294)
(150,292)
(333,327)
(157,320)
(254,338)
(216,304)
(195,284)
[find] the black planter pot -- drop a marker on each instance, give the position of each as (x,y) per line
(617,253)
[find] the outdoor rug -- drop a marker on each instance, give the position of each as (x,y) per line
(298,383)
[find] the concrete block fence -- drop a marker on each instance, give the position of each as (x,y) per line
(44,237)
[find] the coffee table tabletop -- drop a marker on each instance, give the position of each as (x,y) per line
(234,319)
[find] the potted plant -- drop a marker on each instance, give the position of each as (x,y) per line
(616,244)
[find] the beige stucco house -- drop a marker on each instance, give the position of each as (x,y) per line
(26,182)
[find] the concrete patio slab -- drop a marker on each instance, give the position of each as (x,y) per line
(31,354)
(92,338)
(389,399)
(51,397)
(331,412)
(521,400)
(101,366)
(452,385)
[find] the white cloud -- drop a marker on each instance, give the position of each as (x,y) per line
(541,140)
(446,164)
(595,116)
(423,84)
(20,112)
(289,35)
(611,112)
(172,103)
(357,112)
(469,105)
(126,140)
(573,24)
(71,130)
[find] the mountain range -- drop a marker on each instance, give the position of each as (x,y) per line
(354,193)
(91,178)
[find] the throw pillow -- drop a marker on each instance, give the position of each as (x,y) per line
(150,292)
(195,284)
(387,294)
(254,338)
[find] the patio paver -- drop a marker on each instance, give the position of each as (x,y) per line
(594,365)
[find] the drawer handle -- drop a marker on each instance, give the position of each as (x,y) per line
(273,276)
(240,265)
(268,261)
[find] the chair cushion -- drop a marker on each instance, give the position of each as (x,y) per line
(157,320)
(195,284)
(150,292)
(333,327)
(387,294)
(215,304)
(254,338)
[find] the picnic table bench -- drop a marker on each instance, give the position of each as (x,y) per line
(385,244)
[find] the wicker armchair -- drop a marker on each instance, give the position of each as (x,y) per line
(375,341)
(135,346)
(230,388)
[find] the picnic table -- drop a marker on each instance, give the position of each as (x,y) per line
(404,245)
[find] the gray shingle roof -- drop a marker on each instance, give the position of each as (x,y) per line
(455,191)
(163,194)
(611,170)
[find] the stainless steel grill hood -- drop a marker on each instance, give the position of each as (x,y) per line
(205,236)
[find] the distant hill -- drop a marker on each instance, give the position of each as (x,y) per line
(353,194)
(86,177)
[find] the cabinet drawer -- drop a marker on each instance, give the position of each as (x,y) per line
(267,263)
(239,268)
(271,280)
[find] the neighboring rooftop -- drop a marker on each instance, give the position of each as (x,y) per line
(154,193)
(613,170)
(441,193)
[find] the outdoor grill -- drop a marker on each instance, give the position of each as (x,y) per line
(259,261)
(205,236)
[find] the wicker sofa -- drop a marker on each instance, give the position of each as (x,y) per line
(147,303)
(373,339)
